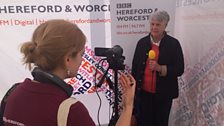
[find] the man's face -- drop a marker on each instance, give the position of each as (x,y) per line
(157,28)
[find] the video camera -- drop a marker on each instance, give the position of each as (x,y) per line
(113,55)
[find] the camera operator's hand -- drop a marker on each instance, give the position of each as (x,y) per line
(128,84)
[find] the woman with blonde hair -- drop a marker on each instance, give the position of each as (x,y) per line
(56,52)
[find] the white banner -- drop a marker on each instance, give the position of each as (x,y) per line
(17,23)
(130,22)
(200,29)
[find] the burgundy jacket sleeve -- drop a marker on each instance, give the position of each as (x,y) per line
(79,116)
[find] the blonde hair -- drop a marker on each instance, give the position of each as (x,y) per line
(51,41)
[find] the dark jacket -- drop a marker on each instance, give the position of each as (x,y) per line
(171,55)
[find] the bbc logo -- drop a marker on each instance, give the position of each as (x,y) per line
(124,5)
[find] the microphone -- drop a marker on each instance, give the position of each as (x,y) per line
(152,54)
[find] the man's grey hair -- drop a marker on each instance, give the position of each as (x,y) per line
(161,16)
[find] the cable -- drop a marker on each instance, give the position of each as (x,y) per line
(98,112)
